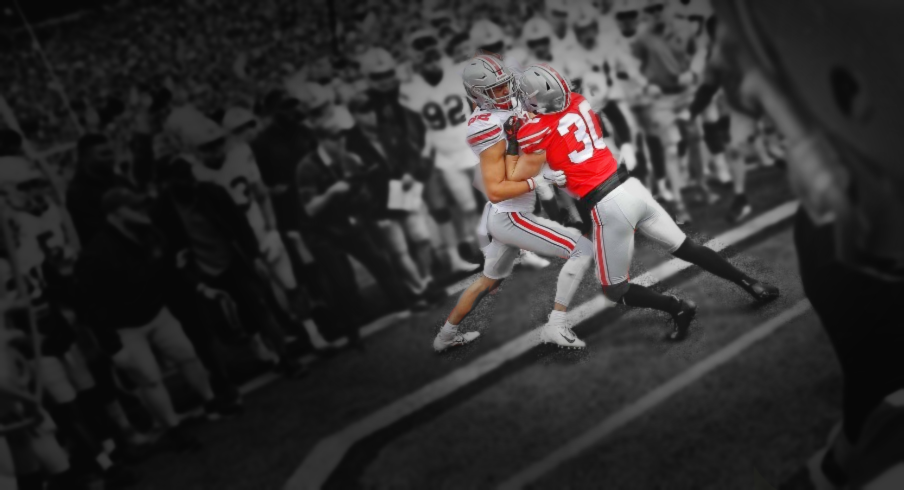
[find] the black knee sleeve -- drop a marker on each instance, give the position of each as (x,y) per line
(615,292)
(714,137)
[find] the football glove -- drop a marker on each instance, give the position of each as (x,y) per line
(511,128)
(556,177)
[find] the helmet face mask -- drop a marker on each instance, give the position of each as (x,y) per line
(483,78)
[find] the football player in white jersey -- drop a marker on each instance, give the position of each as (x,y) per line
(488,36)
(239,175)
(559,13)
(435,93)
(508,224)
(592,48)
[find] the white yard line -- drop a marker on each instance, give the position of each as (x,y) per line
(323,459)
(651,400)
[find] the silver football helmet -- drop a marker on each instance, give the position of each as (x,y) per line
(543,90)
(484,73)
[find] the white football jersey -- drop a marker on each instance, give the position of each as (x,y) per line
(484,131)
(444,109)
(237,175)
(35,237)
(595,88)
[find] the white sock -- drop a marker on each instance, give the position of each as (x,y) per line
(448,330)
(557,316)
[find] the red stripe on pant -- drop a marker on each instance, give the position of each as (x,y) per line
(542,231)
(600,253)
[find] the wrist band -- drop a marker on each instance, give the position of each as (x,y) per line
(531,183)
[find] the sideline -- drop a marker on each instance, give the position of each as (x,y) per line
(329,452)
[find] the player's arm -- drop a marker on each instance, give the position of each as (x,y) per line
(312,201)
(261,195)
(493,168)
(528,144)
(528,165)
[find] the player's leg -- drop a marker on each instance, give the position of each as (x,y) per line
(741,129)
(137,360)
(546,237)
(437,201)
(691,135)
(499,259)
(657,225)
(459,187)
(72,423)
(393,234)
(170,340)
(614,221)
(670,136)
(714,138)
(417,230)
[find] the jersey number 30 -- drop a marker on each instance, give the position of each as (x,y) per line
(436,117)
(586,134)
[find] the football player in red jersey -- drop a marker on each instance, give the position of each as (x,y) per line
(508,225)
(566,134)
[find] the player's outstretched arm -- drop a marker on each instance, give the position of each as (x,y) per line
(493,168)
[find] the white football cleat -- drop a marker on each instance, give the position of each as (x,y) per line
(441,343)
(560,333)
(532,260)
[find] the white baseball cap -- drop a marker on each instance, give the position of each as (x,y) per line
(193,128)
(237,117)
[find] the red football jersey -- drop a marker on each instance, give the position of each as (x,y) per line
(573,141)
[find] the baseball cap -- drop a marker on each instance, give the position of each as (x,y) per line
(193,128)
(377,60)
(485,33)
(311,96)
(237,117)
(17,169)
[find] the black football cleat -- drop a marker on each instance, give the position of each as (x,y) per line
(682,319)
(760,290)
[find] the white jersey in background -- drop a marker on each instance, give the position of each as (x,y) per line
(237,175)
(444,109)
(484,131)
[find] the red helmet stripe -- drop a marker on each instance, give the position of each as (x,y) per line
(493,64)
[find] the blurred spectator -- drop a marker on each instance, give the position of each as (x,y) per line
(123,275)
(10,142)
(221,242)
(278,148)
(95,174)
(333,196)
(393,135)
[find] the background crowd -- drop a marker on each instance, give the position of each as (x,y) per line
(189,179)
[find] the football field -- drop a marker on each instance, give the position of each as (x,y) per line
(740,404)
